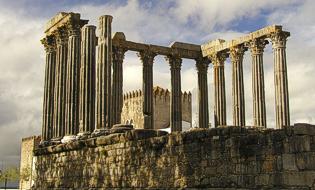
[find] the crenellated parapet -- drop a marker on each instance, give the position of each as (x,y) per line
(132,107)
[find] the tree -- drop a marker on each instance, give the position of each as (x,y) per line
(10,174)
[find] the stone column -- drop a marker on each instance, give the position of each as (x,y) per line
(60,85)
(175,63)
(103,78)
(147,59)
(72,82)
(49,85)
(236,54)
(203,110)
(219,88)
(87,80)
(281,79)
(259,106)
(117,85)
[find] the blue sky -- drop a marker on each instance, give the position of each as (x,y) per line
(158,22)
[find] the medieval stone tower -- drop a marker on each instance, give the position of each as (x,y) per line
(132,108)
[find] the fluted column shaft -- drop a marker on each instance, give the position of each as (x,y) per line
(147,59)
(219,88)
(236,54)
(73,80)
(259,105)
(175,63)
(60,85)
(117,86)
(49,85)
(103,84)
(203,109)
(87,80)
(281,79)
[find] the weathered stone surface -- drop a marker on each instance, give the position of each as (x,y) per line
(217,158)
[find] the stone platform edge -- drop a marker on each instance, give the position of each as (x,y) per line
(176,138)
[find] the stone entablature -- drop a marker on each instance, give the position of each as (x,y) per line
(132,108)
(216,158)
(218,50)
(219,45)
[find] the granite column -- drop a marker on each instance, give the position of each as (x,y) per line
(219,88)
(72,82)
(175,63)
(60,84)
(117,85)
(147,59)
(203,109)
(49,85)
(87,80)
(236,55)
(103,77)
(281,79)
(258,85)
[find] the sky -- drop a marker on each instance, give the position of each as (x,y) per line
(22,57)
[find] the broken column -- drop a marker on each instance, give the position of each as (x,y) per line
(103,77)
(87,80)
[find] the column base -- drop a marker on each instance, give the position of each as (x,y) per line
(54,141)
(100,132)
(68,138)
(83,135)
(44,143)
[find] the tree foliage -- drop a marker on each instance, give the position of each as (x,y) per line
(10,174)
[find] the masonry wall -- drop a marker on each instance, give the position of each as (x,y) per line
(132,108)
(220,158)
(26,164)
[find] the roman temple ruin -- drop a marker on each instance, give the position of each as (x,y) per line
(96,137)
(83,91)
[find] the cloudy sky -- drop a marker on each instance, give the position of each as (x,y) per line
(157,22)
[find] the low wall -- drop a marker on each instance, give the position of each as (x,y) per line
(218,158)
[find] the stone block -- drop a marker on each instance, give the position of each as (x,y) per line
(303,129)
(305,160)
(297,143)
(288,162)
(302,179)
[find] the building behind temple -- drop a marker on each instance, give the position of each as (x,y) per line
(132,109)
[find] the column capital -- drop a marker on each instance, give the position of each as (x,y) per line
(73,28)
(279,39)
(61,36)
(175,61)
(118,53)
(147,57)
(49,43)
(202,64)
(237,52)
(218,58)
(257,45)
